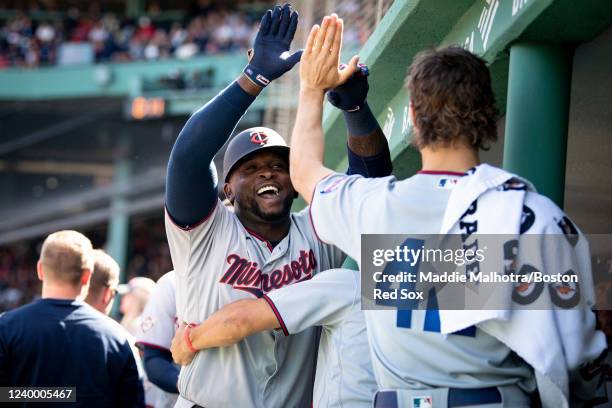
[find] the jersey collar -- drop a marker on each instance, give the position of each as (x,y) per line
(441,173)
(259,237)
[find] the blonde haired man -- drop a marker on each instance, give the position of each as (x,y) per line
(103,283)
(59,341)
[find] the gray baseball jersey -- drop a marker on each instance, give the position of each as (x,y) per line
(218,262)
(331,299)
(407,349)
(158,325)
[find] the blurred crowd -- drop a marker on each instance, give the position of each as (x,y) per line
(18,281)
(109,37)
(148,253)
(148,256)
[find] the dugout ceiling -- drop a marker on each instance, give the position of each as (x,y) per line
(60,161)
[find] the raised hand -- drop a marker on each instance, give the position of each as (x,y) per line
(270,57)
(319,69)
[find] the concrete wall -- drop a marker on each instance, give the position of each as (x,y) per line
(588,190)
(588,179)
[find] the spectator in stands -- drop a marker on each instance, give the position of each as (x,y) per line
(18,285)
(99,37)
(45,40)
(212,30)
(177,35)
(158,47)
(59,341)
(145,29)
(81,31)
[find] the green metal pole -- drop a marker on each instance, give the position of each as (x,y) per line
(349,263)
(119,223)
(537,115)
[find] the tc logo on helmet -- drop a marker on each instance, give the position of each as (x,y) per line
(259,137)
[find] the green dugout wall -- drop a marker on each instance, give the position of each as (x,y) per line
(528,45)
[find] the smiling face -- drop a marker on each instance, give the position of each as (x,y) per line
(260,187)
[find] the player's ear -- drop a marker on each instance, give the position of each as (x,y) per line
(295,193)
(229,193)
(39,271)
(414,141)
(85,276)
(411,115)
(107,296)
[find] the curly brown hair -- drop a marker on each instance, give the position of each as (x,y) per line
(453,102)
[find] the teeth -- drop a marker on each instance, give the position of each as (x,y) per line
(267,189)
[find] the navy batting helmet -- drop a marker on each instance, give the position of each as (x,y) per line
(251,141)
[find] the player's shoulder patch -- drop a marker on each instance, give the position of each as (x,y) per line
(333,184)
(146,324)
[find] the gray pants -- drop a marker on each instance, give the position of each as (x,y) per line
(499,397)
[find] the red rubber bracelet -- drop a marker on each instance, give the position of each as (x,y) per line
(187,339)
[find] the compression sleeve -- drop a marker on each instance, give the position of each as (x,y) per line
(161,371)
(191,184)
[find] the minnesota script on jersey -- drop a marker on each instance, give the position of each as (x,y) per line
(218,262)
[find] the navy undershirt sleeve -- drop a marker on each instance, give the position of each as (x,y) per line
(378,165)
(160,369)
(362,123)
(191,184)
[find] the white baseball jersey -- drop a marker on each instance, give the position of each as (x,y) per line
(218,262)
(158,325)
(158,320)
(407,349)
(331,299)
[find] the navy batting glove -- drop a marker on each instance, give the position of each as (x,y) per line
(351,95)
(270,58)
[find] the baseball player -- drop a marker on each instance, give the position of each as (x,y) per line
(157,327)
(331,299)
(221,256)
(134,296)
(452,107)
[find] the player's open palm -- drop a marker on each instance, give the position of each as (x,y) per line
(270,57)
(319,68)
